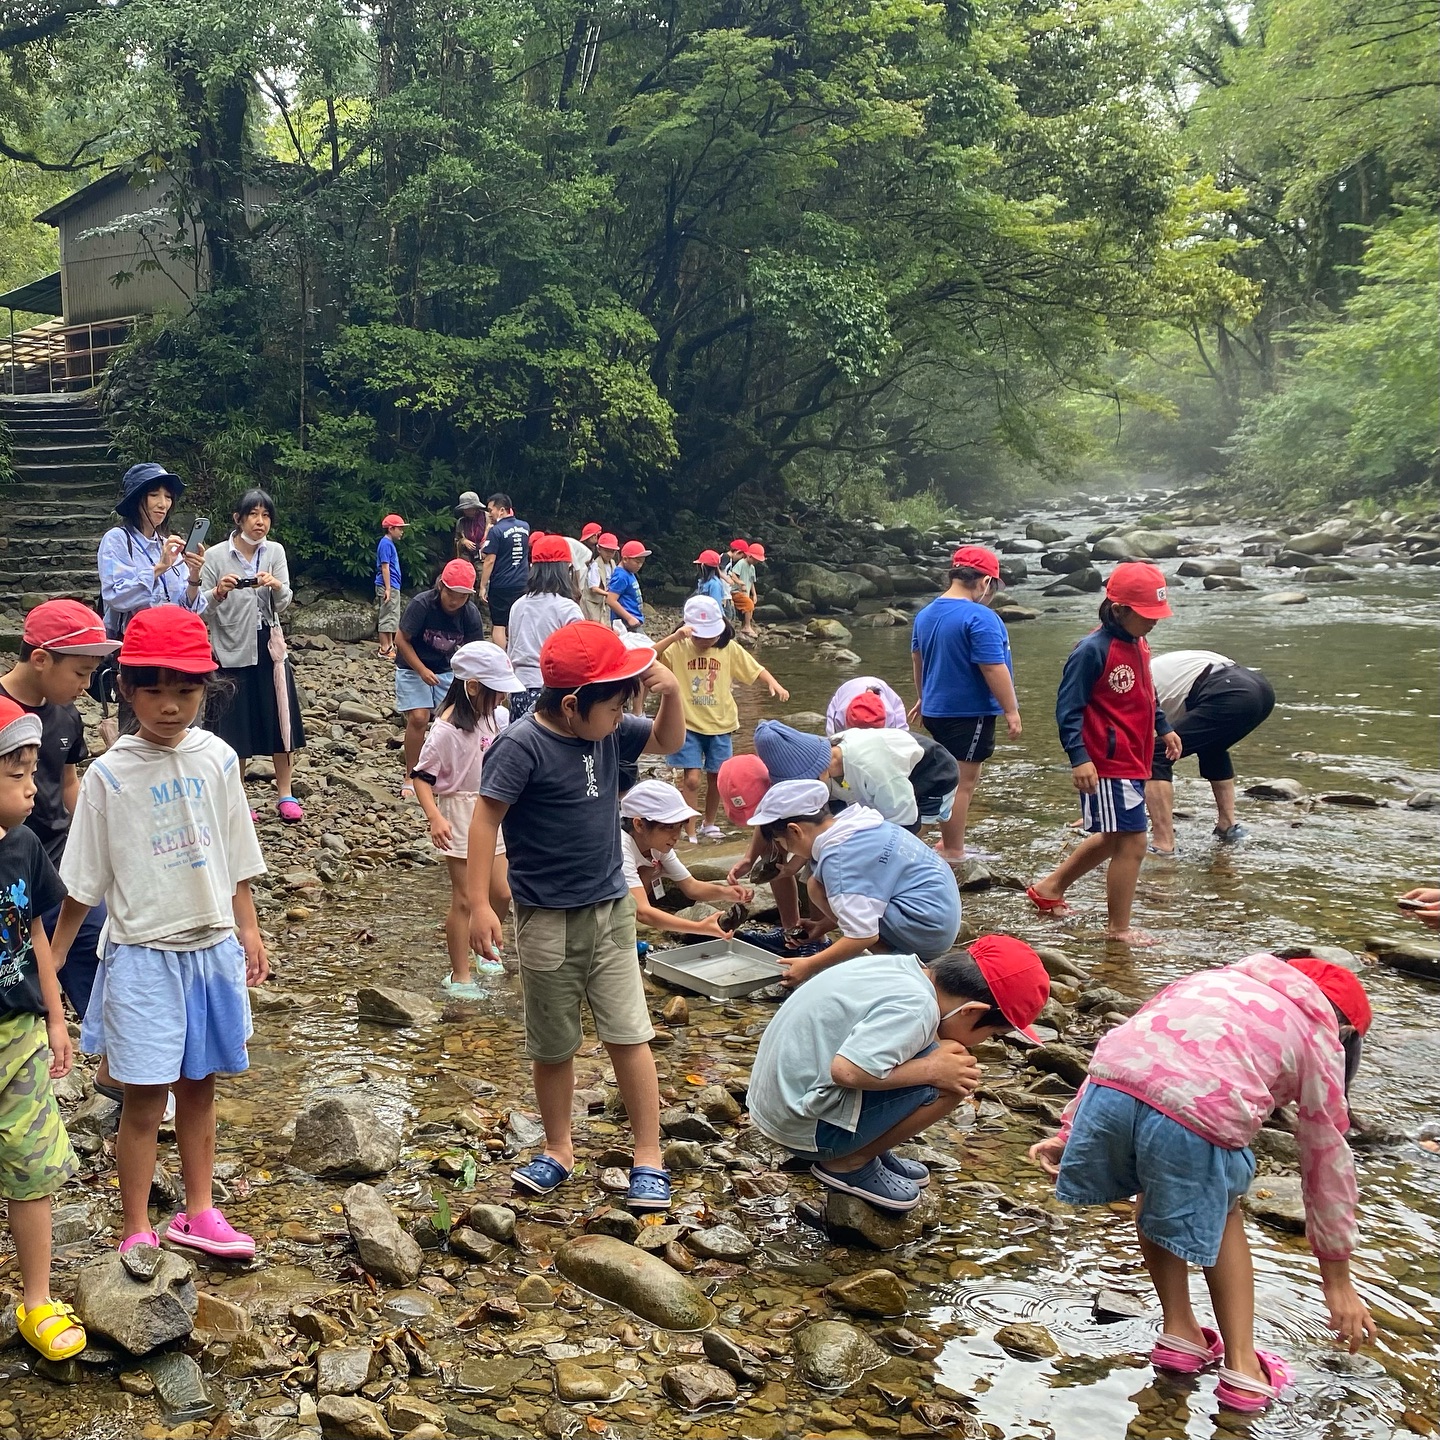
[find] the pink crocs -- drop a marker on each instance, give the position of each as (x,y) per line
(1184,1357)
(140,1237)
(212,1234)
(1249,1397)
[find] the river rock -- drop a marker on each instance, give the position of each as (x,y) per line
(681,1124)
(137,1315)
(912,580)
(1329,575)
(472,1245)
(720,1242)
(343,1370)
(407,1413)
(1316,542)
(620,1224)
(352,712)
(1230,583)
(641,1282)
(1013,614)
(1202,567)
(1069,1062)
(219,1318)
(180,1387)
(496,1221)
(386,1251)
(1276,1200)
(871,1292)
(1059,966)
(810,720)
(1283,789)
(1111,547)
(719,1105)
(1153,544)
(1026,1341)
(253,1356)
(384,1005)
(821,628)
(1065,562)
(1044,532)
(1278,1147)
(1111,1306)
(884,1229)
(831,1355)
(721,1350)
(828,589)
(683,1155)
(349,1417)
(1408,956)
(1423,800)
(342,1135)
(576,1383)
(695,1385)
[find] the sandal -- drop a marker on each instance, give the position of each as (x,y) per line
(211,1234)
(407,791)
(873,1182)
(1249,1396)
(649,1189)
(140,1237)
(1178,1356)
(1044,904)
(289,809)
(542,1175)
(911,1170)
(44,1323)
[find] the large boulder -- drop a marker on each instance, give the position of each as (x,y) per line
(386,1251)
(912,580)
(829,589)
(1044,532)
(825,629)
(877,575)
(1153,544)
(1065,562)
(342,1135)
(139,1315)
(641,1282)
(1316,542)
(832,1355)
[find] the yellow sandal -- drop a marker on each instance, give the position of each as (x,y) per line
(47,1320)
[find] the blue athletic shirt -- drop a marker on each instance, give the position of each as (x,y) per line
(626,588)
(387,555)
(954,638)
(508,541)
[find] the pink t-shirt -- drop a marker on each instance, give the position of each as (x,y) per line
(1221,1051)
(454,757)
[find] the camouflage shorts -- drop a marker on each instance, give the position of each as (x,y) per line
(35,1154)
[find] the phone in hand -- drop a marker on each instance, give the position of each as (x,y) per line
(195,541)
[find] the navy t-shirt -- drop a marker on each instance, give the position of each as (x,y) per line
(434,634)
(954,638)
(29,887)
(509,542)
(562,831)
(62,743)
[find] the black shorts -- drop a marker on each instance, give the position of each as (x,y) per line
(969,738)
(1222,708)
(500,603)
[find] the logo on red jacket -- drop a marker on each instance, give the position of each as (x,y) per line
(1122,679)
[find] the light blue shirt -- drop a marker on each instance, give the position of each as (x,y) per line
(878,1011)
(128,583)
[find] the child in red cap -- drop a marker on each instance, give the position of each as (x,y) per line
(552,780)
(387,584)
(163,835)
(1174,1097)
(1108,719)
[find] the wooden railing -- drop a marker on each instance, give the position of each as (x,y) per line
(54,357)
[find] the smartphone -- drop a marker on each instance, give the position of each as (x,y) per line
(198,531)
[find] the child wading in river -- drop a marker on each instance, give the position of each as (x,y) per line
(447,784)
(163,835)
(1108,720)
(1174,1097)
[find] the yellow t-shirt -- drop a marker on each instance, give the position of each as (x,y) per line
(705,678)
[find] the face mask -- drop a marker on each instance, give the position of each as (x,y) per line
(949,1013)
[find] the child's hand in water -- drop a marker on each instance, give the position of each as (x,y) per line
(486,933)
(1349,1316)
(1046,1154)
(440,832)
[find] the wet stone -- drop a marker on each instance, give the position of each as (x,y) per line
(386,1251)
(1069,1062)
(619,1223)
(721,1350)
(872,1292)
(472,1245)
(138,1315)
(1026,1341)
(720,1242)
(342,1371)
(832,1355)
(497,1376)
(884,1229)
(676,1011)
(683,1155)
(694,1386)
(503,1310)
(407,1413)
(180,1387)
(385,1005)
(680,1124)
(315,1324)
(349,1417)
(252,1356)
(717,1104)
(535,1291)
(1110,1306)
(495,1221)
(640,1282)
(1276,1200)
(342,1135)
(410,1307)
(575,1382)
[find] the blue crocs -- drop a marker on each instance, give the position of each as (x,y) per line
(872,1182)
(542,1175)
(912,1170)
(649,1189)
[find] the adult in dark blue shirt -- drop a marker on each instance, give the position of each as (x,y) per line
(506,564)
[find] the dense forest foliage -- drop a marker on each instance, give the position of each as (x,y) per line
(708,254)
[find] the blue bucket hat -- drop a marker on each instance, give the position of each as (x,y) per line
(791,754)
(139,480)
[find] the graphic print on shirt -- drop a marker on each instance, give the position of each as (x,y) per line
(442,642)
(178,839)
(15,943)
(592,788)
(1122,679)
(703,672)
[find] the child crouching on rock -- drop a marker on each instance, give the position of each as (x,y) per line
(864,1056)
(447,784)
(552,780)
(1174,1097)
(35,1154)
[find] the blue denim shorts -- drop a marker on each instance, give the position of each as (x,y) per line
(1119,1147)
(702,752)
(880,1110)
(412,693)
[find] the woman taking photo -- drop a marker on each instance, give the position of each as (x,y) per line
(247,583)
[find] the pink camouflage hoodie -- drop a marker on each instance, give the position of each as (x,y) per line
(1220,1051)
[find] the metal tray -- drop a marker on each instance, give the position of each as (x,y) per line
(721,969)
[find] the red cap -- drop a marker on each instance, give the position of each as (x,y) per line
(1141,587)
(584,653)
(592,527)
(743,546)
(866,712)
(632,548)
(1340,987)
(390,520)
(167,636)
(977,557)
(607,541)
(708,557)
(743,781)
(1016,978)
(756,550)
(545,549)
(458,575)
(68,628)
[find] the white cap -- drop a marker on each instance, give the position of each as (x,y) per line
(704,616)
(487,663)
(791,799)
(657,801)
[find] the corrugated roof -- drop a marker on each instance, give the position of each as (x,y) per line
(40,297)
(108,181)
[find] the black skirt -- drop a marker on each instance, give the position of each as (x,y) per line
(248,719)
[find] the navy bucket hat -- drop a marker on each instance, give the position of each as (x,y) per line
(139,480)
(791,754)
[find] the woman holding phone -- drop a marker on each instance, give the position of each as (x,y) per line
(246,581)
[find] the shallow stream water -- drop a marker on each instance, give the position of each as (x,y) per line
(1355,675)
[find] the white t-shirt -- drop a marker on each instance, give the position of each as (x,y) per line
(163,836)
(877,772)
(1176,672)
(533,620)
(633,859)
(579,562)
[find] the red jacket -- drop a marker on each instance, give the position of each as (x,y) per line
(1106,707)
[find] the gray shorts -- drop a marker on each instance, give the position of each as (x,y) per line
(567,956)
(389,619)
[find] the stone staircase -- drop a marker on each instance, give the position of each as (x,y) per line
(57,507)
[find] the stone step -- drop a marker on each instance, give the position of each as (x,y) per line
(99,494)
(71,547)
(97,451)
(25,575)
(86,523)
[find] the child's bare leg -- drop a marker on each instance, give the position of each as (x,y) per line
(787,900)
(690,789)
(284,772)
(898,1134)
(1232,1294)
(1089,855)
(952,831)
(1120,881)
(30,1229)
(712,796)
(640,1090)
(1170,1276)
(555,1094)
(195,1139)
(135,1149)
(457,921)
